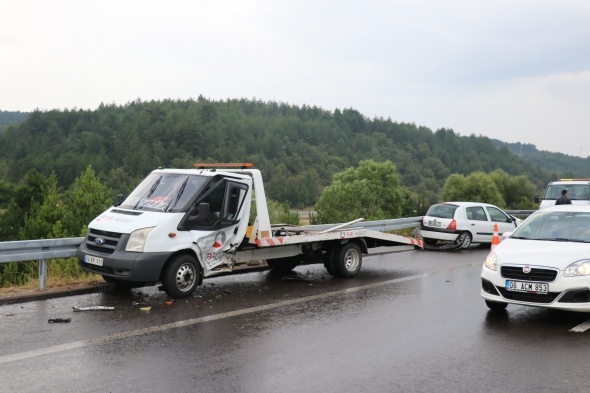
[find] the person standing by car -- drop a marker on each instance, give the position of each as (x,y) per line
(563,199)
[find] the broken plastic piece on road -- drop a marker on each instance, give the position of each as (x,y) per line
(94,308)
(145,309)
(59,320)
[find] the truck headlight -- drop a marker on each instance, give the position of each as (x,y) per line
(578,268)
(490,262)
(137,240)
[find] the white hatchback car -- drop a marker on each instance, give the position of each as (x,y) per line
(545,262)
(458,224)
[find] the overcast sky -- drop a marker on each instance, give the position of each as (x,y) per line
(514,70)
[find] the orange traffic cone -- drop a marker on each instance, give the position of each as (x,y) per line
(495,237)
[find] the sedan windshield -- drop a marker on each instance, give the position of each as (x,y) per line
(556,226)
(165,192)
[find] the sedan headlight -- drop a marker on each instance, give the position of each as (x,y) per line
(578,268)
(137,240)
(490,262)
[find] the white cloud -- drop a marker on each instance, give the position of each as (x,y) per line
(515,70)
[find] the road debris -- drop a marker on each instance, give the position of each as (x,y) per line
(145,309)
(94,308)
(59,320)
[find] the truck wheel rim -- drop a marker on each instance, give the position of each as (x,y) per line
(351,260)
(185,277)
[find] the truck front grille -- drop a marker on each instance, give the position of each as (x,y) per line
(102,241)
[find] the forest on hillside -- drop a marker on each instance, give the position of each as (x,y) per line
(7,117)
(558,164)
(297,148)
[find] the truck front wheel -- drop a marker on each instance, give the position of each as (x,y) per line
(346,260)
(181,276)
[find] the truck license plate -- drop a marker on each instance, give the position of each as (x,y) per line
(523,286)
(93,260)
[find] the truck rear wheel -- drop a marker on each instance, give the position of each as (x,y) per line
(181,276)
(346,260)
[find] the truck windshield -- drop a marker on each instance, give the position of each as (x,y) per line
(576,192)
(165,192)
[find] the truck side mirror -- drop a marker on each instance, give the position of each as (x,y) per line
(204,214)
(536,198)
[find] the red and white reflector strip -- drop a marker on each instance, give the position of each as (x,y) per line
(269,241)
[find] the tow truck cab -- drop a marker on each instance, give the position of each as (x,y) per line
(578,190)
(170,229)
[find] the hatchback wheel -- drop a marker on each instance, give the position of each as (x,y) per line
(464,240)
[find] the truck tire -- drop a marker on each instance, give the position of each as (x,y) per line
(284,264)
(181,276)
(329,261)
(347,259)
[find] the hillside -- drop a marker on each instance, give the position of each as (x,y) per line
(8,118)
(560,165)
(297,148)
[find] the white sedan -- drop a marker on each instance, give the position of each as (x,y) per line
(461,223)
(545,262)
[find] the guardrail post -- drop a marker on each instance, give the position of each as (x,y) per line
(42,274)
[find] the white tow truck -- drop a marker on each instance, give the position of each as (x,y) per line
(578,190)
(182,225)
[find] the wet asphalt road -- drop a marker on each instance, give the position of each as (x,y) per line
(411,321)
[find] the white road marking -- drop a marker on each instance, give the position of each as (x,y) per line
(581,328)
(189,322)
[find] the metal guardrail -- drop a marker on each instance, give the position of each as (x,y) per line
(41,250)
(382,225)
(520,213)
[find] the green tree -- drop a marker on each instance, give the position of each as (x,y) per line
(44,218)
(477,187)
(516,190)
(30,192)
(371,191)
(85,199)
(6,192)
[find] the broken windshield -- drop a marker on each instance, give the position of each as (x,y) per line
(165,192)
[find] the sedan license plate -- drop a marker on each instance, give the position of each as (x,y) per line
(93,260)
(434,223)
(523,286)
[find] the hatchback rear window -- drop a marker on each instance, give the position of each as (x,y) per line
(442,211)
